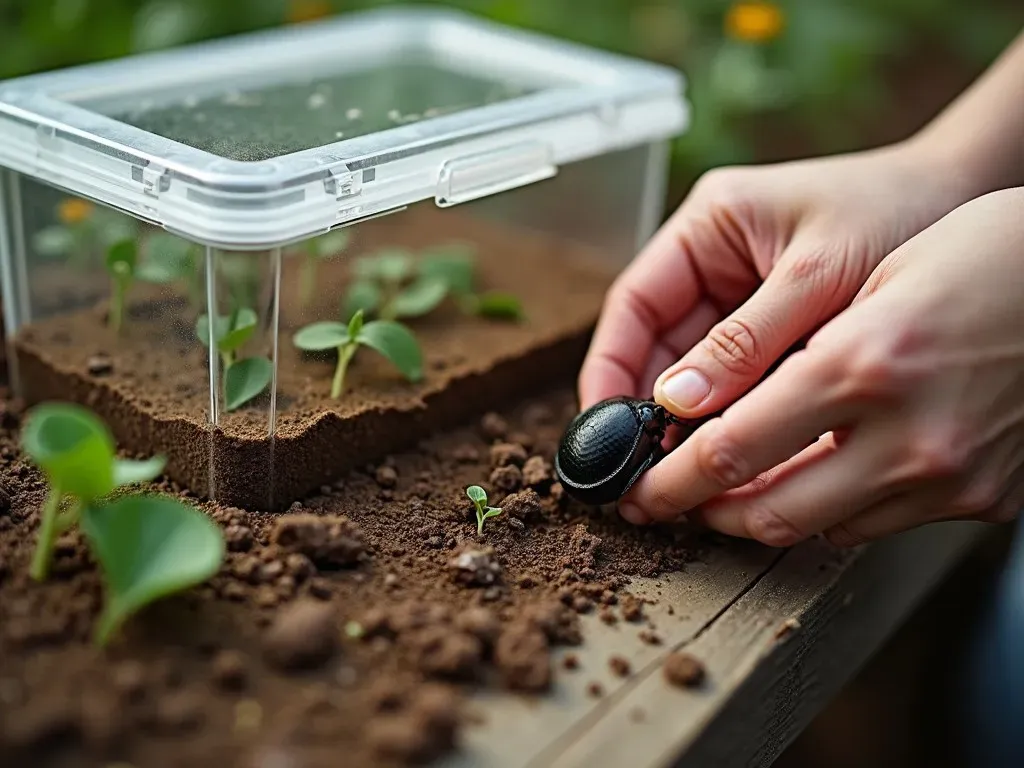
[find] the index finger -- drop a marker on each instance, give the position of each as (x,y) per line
(774,422)
(656,291)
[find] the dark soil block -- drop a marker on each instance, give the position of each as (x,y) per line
(151,384)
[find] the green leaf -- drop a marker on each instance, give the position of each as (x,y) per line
(498,305)
(245,379)
(241,326)
(53,241)
(477,495)
(73,447)
(419,298)
(453,264)
(149,547)
(168,258)
(391,265)
(128,471)
(220,327)
(355,325)
(121,258)
(331,244)
(316,337)
(230,332)
(362,295)
(396,343)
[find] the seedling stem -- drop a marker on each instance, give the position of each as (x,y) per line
(483,513)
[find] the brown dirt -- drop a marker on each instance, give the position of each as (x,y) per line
(354,624)
(151,384)
(684,670)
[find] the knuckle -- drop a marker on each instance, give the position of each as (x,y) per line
(842,536)
(938,453)
(979,499)
(733,345)
(768,527)
(872,368)
(663,503)
(722,182)
(720,460)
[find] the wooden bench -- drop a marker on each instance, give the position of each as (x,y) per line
(780,632)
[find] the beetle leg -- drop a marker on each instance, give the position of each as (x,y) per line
(656,455)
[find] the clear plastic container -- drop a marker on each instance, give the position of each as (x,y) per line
(479,185)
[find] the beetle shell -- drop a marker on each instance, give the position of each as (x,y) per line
(608,446)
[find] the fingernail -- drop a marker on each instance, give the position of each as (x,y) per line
(633,514)
(686,389)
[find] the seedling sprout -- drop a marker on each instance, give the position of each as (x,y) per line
(121,259)
(392,284)
(479,498)
(148,546)
(243,378)
(391,339)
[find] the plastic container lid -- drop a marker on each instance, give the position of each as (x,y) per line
(259,140)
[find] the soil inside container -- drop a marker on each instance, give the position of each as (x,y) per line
(261,666)
(151,383)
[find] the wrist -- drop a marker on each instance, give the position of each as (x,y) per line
(954,163)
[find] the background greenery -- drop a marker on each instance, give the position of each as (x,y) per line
(768,80)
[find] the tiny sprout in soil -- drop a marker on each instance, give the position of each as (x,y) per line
(243,378)
(393,340)
(148,546)
(121,260)
(392,284)
(479,498)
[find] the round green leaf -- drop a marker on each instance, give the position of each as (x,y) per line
(362,295)
(477,494)
(499,305)
(167,258)
(121,258)
(128,471)
(331,244)
(149,547)
(391,265)
(220,327)
(317,337)
(53,241)
(73,447)
(453,264)
(240,327)
(246,379)
(397,344)
(420,298)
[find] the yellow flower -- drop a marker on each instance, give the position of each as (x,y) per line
(754,22)
(300,11)
(74,210)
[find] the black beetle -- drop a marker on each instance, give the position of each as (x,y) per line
(606,448)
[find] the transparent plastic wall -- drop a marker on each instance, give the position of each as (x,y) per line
(245,368)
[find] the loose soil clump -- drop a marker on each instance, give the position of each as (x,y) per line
(338,627)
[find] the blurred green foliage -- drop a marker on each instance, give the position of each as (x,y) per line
(806,66)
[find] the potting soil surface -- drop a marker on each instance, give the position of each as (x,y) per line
(354,625)
(151,382)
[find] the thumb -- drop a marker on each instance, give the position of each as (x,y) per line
(800,293)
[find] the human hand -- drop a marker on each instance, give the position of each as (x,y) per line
(811,230)
(917,391)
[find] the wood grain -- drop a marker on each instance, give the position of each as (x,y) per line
(779,632)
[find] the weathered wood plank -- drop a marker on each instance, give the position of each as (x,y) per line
(774,658)
(518,729)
